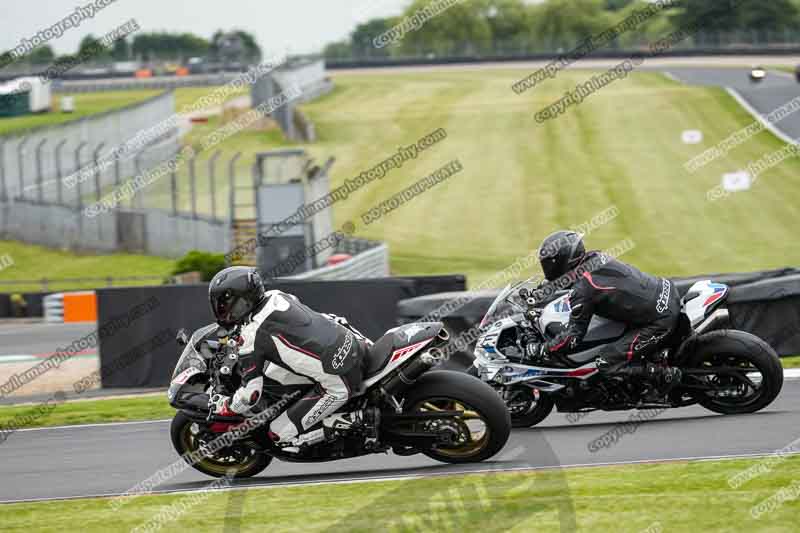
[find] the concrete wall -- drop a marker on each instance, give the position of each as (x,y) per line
(161,233)
(58,227)
(171,236)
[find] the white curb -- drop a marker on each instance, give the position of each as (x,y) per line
(791,373)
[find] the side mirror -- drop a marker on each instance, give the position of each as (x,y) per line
(182,337)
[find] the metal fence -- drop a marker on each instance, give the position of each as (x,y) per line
(41,202)
(34,163)
(130,83)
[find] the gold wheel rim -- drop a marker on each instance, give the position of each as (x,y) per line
(478,439)
(208,463)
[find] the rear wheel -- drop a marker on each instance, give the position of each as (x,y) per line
(239,459)
(742,372)
(483,427)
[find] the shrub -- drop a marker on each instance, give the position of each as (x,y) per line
(206,263)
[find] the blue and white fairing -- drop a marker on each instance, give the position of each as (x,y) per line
(492,362)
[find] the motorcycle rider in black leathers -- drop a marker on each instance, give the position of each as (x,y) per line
(604,286)
(299,345)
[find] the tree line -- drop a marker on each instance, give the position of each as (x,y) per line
(236,45)
(484,26)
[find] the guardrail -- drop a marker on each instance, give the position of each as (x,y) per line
(372,262)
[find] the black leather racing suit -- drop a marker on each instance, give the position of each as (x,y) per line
(308,347)
(615,290)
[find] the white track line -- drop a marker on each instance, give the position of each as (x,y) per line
(101,424)
(758,116)
(399,477)
(791,374)
(782,74)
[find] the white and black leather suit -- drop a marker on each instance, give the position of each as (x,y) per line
(295,345)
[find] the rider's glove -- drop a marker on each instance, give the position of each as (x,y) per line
(534,350)
(220,405)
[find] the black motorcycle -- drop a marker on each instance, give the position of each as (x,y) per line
(449,416)
(724,370)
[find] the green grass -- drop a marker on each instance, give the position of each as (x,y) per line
(35,262)
(247,142)
(523,180)
(791,362)
(85,105)
(187,96)
(673,497)
(151,407)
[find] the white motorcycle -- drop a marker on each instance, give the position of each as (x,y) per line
(449,416)
(724,370)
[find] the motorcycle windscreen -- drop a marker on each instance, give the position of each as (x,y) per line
(191,362)
(488,317)
(496,309)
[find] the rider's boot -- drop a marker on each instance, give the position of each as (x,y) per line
(365,419)
(659,379)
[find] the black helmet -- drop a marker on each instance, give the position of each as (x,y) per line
(234,293)
(561,252)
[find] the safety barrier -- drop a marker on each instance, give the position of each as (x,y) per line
(373,263)
(69,307)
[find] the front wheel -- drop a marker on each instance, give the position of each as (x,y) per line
(483,427)
(738,372)
(238,460)
(527,406)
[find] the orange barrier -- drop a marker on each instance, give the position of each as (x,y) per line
(144,73)
(183,71)
(80,306)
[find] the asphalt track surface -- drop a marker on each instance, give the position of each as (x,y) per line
(775,90)
(105,460)
(109,459)
(39,339)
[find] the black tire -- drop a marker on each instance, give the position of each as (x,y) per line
(541,410)
(472,393)
(741,345)
(180,432)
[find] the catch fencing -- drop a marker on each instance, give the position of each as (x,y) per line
(41,202)
(34,163)
(130,83)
